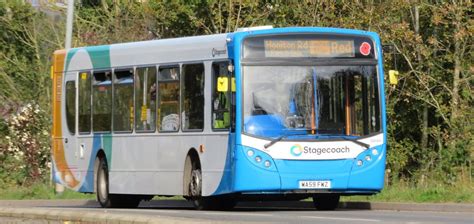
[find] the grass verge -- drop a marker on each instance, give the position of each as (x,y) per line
(40,191)
(405,192)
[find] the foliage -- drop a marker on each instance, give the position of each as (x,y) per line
(26,154)
(429,114)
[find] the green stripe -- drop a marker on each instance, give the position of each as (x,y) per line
(100,56)
(107,146)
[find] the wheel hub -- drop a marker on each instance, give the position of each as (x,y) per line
(195,185)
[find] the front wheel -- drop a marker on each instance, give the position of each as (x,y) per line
(222,202)
(326,201)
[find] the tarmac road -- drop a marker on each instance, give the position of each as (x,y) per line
(166,211)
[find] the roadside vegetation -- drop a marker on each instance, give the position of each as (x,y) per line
(461,192)
(429,113)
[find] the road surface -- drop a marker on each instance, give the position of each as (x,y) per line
(248,212)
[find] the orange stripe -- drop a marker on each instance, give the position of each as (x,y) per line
(58,147)
(348,109)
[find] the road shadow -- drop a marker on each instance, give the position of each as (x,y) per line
(244,206)
(255,205)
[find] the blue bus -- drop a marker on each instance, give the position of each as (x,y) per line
(261,113)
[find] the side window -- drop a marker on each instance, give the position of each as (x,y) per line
(84,102)
(168,99)
(192,117)
(102,102)
(71,106)
(221,99)
(145,99)
(123,100)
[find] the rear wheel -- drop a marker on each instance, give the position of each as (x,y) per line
(326,201)
(210,202)
(106,199)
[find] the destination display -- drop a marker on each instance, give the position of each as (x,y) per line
(308,46)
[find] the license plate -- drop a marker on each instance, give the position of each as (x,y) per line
(315,184)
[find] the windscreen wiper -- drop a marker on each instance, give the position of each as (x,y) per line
(365,145)
(272,142)
(279,139)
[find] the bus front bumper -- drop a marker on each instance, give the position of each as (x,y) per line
(361,175)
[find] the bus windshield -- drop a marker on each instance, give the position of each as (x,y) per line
(311,101)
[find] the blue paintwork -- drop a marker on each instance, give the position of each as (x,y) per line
(346,175)
(251,177)
(369,176)
(264,125)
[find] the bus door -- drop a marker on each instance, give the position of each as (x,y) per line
(69,120)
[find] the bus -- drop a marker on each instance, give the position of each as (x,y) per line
(261,113)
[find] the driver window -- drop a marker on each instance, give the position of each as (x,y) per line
(221,100)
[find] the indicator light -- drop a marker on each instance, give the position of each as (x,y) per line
(359,162)
(250,153)
(258,159)
(267,163)
(368,158)
(375,152)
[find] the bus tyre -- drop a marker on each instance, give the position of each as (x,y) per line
(195,190)
(326,201)
(107,200)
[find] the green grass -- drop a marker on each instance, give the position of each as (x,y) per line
(403,192)
(39,191)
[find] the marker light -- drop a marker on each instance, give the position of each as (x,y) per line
(375,152)
(267,163)
(368,158)
(250,153)
(258,159)
(359,162)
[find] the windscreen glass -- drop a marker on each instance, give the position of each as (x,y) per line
(317,100)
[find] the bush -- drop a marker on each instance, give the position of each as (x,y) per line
(25,154)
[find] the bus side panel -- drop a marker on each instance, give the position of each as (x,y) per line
(154,164)
(215,162)
(135,164)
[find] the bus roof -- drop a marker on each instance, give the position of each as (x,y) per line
(166,51)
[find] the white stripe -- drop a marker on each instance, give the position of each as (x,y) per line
(346,219)
(239,214)
(282,149)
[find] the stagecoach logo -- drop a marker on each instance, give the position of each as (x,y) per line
(216,52)
(296,150)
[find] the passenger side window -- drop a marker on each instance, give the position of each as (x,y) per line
(168,99)
(221,100)
(102,102)
(84,102)
(192,117)
(71,106)
(123,100)
(145,99)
